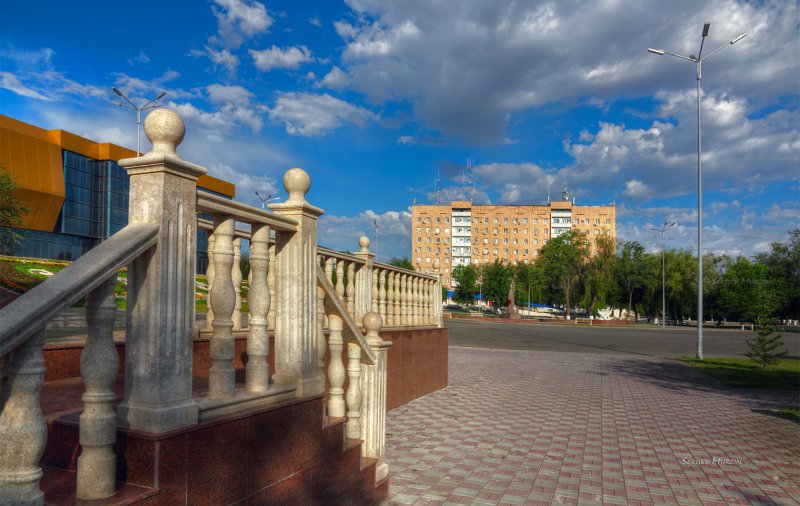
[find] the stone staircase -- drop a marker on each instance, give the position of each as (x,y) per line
(286,453)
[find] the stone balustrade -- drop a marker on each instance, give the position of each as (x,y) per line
(296,290)
(402,298)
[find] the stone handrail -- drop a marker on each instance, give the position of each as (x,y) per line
(30,313)
(214,204)
(23,432)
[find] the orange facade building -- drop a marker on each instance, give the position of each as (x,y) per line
(76,193)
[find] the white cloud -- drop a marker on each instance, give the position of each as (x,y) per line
(335,79)
(504,57)
(311,115)
(394,233)
(140,58)
(315,21)
(275,57)
(237,19)
(220,58)
(10,82)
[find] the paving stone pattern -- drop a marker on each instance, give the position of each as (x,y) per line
(531,427)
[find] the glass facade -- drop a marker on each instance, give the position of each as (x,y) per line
(95,208)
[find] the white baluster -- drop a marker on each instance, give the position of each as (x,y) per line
(390,306)
(403,300)
(236,278)
(382,293)
(23,431)
(353,396)
(258,301)
(271,285)
(329,269)
(97,464)
(336,407)
(210,281)
(321,344)
(373,390)
(340,279)
(374,273)
(350,291)
(415,301)
(221,376)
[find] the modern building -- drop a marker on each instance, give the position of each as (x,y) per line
(76,192)
(462,233)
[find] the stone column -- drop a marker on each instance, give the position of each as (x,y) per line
(363,279)
(160,316)
(97,465)
(258,299)
(23,431)
(373,391)
(296,290)
(236,279)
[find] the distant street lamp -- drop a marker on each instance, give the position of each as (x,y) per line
(663,229)
(265,200)
(375,222)
(132,106)
(698,61)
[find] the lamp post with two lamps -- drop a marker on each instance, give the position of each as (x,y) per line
(134,107)
(698,61)
(265,200)
(663,229)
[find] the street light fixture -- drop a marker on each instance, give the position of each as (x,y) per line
(698,61)
(375,222)
(265,200)
(134,107)
(663,229)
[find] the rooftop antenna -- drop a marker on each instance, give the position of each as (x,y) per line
(548,189)
(564,193)
(437,188)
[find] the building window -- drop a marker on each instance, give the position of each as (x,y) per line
(494,251)
(419,219)
(608,221)
(525,252)
(419,239)
(505,230)
(596,232)
(524,231)
(516,241)
(505,241)
(505,220)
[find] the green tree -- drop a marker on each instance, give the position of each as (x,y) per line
(497,282)
(402,262)
(744,292)
(531,282)
(631,269)
(466,278)
(782,265)
(598,276)
(563,259)
(12,209)
(764,347)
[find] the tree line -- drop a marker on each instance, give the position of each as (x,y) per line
(625,276)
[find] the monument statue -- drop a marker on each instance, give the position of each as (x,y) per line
(512,311)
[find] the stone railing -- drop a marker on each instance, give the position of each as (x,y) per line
(23,431)
(289,294)
(402,298)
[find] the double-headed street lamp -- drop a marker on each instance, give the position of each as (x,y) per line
(132,106)
(663,229)
(698,61)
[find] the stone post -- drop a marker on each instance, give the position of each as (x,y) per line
(296,290)
(373,392)
(259,299)
(160,316)
(364,279)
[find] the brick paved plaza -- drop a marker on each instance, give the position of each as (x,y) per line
(543,427)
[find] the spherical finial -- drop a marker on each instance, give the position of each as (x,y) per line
(297,183)
(364,242)
(165,130)
(372,322)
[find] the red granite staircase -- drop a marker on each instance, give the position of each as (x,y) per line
(287,453)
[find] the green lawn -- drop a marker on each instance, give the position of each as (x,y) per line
(744,373)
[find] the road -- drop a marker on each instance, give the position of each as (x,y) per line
(636,340)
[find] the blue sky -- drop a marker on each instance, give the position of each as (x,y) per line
(375,98)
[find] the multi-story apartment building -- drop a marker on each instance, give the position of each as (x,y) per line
(76,193)
(462,233)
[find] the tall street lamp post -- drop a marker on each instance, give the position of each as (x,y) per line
(698,61)
(134,107)
(663,229)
